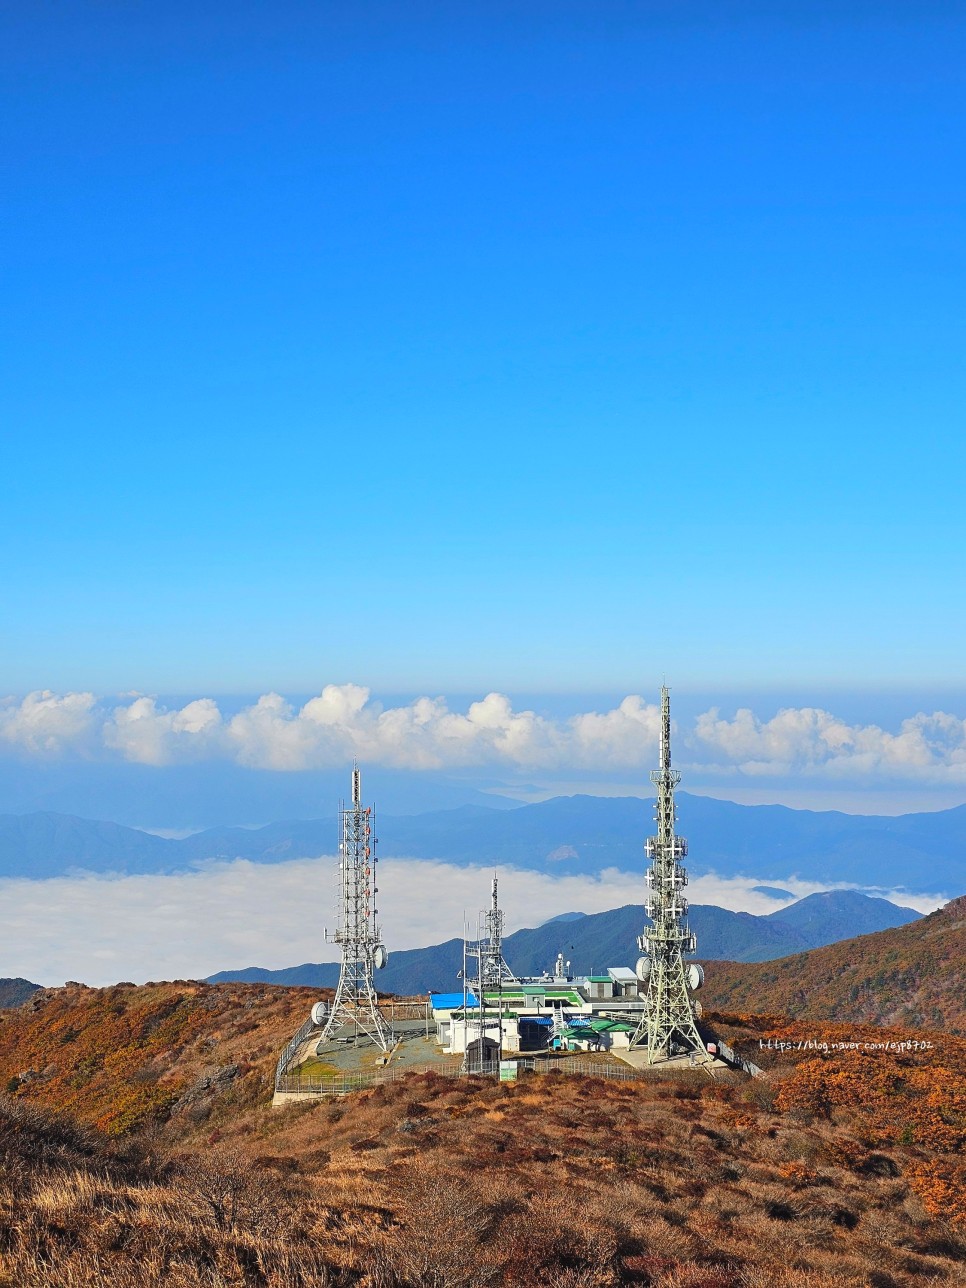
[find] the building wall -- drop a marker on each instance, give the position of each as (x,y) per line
(461,1031)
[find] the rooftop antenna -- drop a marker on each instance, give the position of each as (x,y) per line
(668,1024)
(356,1004)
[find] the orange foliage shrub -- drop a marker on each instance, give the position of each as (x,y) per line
(122,1057)
(941,1185)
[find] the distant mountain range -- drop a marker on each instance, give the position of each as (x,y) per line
(224,794)
(564,836)
(592,943)
(14,992)
(913,975)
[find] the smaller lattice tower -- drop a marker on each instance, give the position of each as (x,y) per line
(355,1005)
(668,1025)
(484,967)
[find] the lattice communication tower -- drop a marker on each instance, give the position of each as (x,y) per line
(356,1004)
(489,972)
(668,1025)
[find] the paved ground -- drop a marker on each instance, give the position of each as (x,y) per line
(357,1053)
(361,1055)
(637,1058)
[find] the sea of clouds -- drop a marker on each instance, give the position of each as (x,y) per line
(228,915)
(231,915)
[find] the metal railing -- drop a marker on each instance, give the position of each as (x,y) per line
(405,1010)
(342,1083)
(291,1047)
(337,1084)
(583,1069)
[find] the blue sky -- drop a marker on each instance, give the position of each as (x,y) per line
(544,348)
(356,352)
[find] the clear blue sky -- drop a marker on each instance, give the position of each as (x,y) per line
(542,345)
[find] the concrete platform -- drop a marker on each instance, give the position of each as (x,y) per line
(337,1063)
(636,1057)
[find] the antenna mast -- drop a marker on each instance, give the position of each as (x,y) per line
(355,1002)
(492,973)
(668,1024)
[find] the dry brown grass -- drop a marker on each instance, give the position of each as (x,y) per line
(427,1183)
(573,1182)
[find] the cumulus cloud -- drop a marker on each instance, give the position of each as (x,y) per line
(235,914)
(148,736)
(623,737)
(345,721)
(808,740)
(44,722)
(341,722)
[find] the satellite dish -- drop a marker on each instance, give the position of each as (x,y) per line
(695,976)
(380,957)
(319,1011)
(643,969)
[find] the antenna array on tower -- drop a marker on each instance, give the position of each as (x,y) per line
(490,974)
(668,1024)
(355,1004)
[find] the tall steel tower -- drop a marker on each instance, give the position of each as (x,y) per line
(490,974)
(355,1002)
(493,970)
(668,1025)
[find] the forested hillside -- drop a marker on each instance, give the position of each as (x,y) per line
(913,975)
(127,1056)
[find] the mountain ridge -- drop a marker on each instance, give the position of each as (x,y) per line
(14,992)
(599,940)
(566,835)
(913,974)
(137,1129)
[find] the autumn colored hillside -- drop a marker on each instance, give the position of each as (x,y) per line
(913,976)
(840,1166)
(127,1056)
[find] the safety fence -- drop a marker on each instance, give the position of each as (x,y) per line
(390,1009)
(291,1049)
(584,1069)
(338,1084)
(341,1084)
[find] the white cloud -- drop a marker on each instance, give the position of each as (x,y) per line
(620,738)
(44,722)
(230,915)
(808,740)
(344,721)
(144,734)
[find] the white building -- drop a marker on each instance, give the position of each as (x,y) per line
(596,1012)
